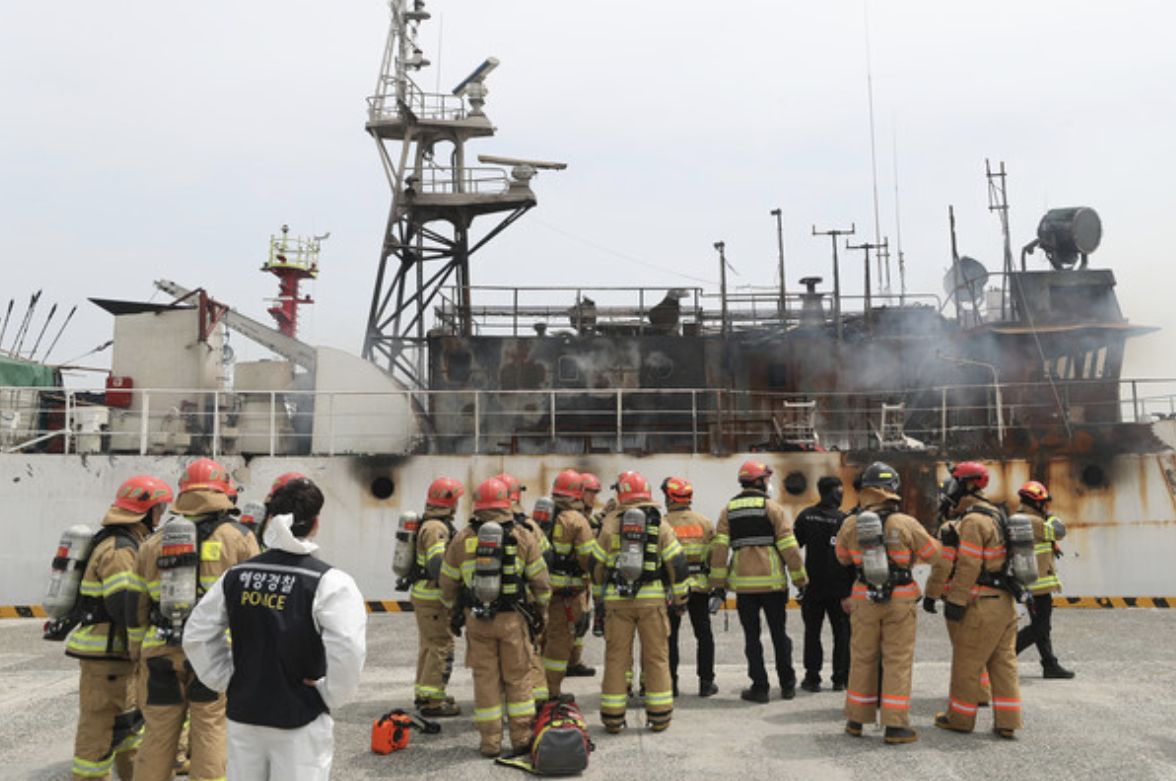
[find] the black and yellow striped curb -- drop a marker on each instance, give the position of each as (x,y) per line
(405,606)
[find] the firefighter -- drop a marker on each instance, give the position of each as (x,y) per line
(979,600)
(938,583)
(109,726)
(754,533)
(492,565)
(882,543)
(1048,530)
(515,490)
(434,640)
(640,566)
(572,546)
(576,668)
(168,686)
(297,646)
(694,532)
(829,586)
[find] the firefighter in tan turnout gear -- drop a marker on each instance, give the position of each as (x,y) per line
(754,533)
(1048,530)
(590,488)
(640,567)
(174,567)
(109,726)
(435,642)
(572,544)
(694,532)
(491,565)
(883,544)
(980,600)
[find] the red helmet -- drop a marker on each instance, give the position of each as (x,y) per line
(752,471)
(568,483)
(677,490)
(1034,491)
(492,494)
(591,482)
(444,492)
(142,492)
(631,486)
(204,474)
(971,470)
(513,487)
(282,479)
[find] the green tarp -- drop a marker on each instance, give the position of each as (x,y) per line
(23,374)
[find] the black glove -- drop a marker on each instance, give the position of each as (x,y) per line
(800,594)
(583,623)
(929,605)
(717,597)
(598,621)
(456,621)
(953,612)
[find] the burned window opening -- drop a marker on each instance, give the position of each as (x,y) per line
(796,483)
(383,487)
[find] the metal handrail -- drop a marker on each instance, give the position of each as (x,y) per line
(609,417)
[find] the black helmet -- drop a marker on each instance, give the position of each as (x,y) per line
(880,475)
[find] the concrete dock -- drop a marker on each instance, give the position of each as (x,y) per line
(1114,721)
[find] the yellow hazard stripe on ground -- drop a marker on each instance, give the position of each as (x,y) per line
(404,606)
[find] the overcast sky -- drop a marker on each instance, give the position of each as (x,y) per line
(144,140)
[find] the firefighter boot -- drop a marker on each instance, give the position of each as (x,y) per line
(853,728)
(440,709)
(899,735)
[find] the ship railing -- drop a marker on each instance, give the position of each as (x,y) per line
(385,107)
(760,307)
(602,310)
(178,421)
(439,180)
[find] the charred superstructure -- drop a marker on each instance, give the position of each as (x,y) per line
(682,372)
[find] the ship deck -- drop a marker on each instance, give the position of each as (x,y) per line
(1114,721)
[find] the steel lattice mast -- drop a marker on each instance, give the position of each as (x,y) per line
(421,139)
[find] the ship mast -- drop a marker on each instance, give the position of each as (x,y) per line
(421,140)
(291,260)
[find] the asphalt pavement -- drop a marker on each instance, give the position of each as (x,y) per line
(1114,721)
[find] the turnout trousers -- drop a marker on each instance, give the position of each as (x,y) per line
(498,652)
(434,650)
(109,729)
(953,628)
(986,637)
(698,607)
(567,605)
(622,621)
(883,632)
(814,610)
(773,604)
(170,689)
(577,657)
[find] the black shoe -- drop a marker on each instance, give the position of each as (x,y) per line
(580,670)
(838,686)
(1056,671)
(674,688)
(707,688)
(899,735)
(755,695)
(810,685)
(853,728)
(788,692)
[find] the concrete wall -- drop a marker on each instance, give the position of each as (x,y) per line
(1121,541)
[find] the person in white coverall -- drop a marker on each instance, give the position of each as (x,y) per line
(298,644)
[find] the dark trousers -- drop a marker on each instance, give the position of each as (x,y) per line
(700,623)
(814,610)
(772,604)
(1040,617)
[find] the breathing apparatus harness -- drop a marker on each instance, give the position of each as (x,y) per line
(1006,579)
(86,610)
(895,575)
(169,628)
(638,558)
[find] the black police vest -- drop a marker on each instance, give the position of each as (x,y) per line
(748,524)
(276,647)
